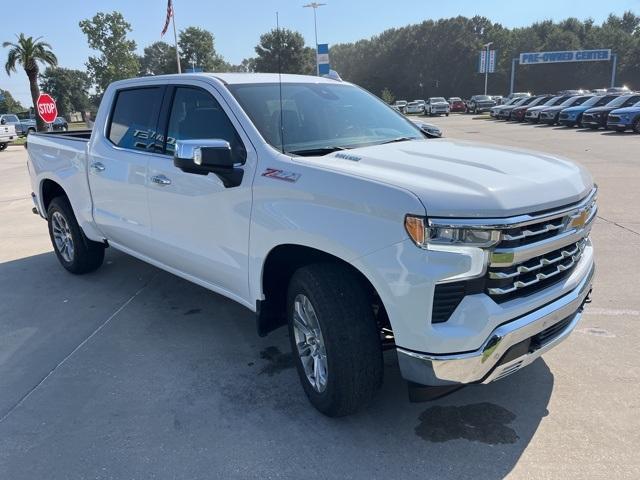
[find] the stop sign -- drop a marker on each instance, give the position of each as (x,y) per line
(47,108)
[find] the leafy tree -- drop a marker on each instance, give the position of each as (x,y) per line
(387,96)
(8,104)
(441,57)
(159,59)
(69,87)
(29,52)
(107,33)
(289,46)
(197,48)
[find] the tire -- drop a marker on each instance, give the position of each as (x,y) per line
(79,256)
(344,329)
(636,125)
(3,146)
(447,114)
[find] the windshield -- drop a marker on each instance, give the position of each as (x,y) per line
(619,101)
(552,101)
(568,102)
(483,98)
(438,100)
(319,118)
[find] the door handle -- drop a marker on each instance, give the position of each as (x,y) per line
(161,180)
(97,167)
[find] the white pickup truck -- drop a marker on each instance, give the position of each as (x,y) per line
(7,135)
(317,206)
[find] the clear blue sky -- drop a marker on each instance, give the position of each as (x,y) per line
(237,24)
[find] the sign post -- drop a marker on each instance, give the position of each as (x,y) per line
(323,59)
(487,63)
(47,109)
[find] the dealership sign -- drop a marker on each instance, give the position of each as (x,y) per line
(535,58)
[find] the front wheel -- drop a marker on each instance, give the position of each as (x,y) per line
(334,338)
(636,125)
(75,252)
(3,146)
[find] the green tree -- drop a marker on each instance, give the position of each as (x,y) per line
(8,104)
(197,48)
(29,52)
(387,96)
(107,33)
(159,59)
(284,49)
(69,87)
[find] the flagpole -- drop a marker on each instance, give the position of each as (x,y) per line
(175,37)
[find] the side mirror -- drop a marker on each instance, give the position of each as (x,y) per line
(202,157)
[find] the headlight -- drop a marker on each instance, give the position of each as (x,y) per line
(424,236)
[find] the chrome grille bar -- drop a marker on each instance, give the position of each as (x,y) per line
(543,262)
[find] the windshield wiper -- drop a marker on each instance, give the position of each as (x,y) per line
(317,151)
(399,139)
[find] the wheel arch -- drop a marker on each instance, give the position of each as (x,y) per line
(50,189)
(281,263)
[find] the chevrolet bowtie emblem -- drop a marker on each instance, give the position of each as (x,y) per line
(579,219)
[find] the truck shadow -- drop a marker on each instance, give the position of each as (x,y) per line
(179,369)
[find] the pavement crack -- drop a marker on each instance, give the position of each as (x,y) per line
(84,342)
(618,225)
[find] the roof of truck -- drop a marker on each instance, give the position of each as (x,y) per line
(243,78)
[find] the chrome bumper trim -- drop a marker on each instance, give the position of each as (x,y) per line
(480,365)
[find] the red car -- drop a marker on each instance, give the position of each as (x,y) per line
(457,105)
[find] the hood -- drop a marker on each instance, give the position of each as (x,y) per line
(604,109)
(633,109)
(456,178)
(537,108)
(577,109)
(555,109)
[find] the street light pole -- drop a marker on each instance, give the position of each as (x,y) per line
(315,6)
(486,66)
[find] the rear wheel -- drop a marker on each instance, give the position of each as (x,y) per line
(74,250)
(636,125)
(334,338)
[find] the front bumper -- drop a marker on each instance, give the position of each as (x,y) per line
(508,348)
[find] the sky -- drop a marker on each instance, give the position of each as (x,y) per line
(237,25)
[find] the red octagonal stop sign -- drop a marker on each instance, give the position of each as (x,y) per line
(47,108)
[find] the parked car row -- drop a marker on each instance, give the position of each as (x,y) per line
(615,111)
(432,106)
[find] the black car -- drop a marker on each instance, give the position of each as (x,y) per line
(480,104)
(60,125)
(595,118)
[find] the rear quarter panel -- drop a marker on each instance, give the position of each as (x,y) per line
(64,161)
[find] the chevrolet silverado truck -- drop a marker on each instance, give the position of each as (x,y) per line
(317,206)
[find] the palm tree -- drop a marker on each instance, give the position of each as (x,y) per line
(28,52)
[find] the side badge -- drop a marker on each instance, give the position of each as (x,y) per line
(281,175)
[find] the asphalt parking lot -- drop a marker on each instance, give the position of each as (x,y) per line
(130,372)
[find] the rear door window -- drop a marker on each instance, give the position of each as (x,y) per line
(134,119)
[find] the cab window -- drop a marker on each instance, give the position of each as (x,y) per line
(196,115)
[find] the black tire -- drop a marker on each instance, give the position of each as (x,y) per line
(350,336)
(3,146)
(636,125)
(86,255)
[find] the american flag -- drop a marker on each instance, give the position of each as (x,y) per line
(169,15)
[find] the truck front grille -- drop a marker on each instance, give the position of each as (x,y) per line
(534,255)
(506,283)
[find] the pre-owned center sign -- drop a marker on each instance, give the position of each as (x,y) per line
(566,56)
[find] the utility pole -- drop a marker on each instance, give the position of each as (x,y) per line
(486,66)
(315,6)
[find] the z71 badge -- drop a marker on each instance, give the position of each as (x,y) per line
(281,175)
